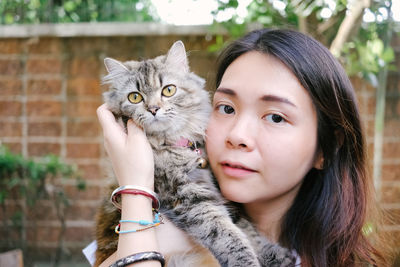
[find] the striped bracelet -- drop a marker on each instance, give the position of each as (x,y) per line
(138,257)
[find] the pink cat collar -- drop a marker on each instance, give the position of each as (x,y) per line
(184,142)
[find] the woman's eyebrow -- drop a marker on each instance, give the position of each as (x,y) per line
(225,91)
(275,98)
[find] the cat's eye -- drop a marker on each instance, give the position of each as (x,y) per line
(169,90)
(135,97)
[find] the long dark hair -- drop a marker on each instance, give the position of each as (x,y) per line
(325,222)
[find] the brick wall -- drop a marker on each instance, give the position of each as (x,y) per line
(49,92)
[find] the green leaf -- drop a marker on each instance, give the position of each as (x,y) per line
(388,55)
(8,18)
(376,46)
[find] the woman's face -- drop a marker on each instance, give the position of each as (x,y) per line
(262,135)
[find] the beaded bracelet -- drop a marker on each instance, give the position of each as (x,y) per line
(156,222)
(138,257)
(135,190)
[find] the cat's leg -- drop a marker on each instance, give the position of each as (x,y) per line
(210,225)
(269,254)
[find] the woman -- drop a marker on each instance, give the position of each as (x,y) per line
(285,141)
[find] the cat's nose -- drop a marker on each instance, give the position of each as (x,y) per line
(153,109)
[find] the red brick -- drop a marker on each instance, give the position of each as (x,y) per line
(80,45)
(10,67)
(44,87)
(10,129)
(42,211)
(45,46)
(10,233)
(44,66)
(398,109)
(44,108)
(83,150)
(78,234)
(79,212)
(10,108)
(398,85)
(391,150)
(392,128)
(90,193)
(83,108)
(83,129)
(10,46)
(84,67)
(44,129)
(391,194)
(360,102)
(370,105)
(91,171)
(369,127)
(10,208)
(42,149)
(83,86)
(43,233)
(10,87)
(391,172)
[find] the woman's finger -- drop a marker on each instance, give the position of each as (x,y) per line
(108,123)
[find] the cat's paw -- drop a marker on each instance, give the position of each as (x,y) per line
(273,255)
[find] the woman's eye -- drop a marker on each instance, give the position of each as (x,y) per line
(169,90)
(135,98)
(275,118)
(225,109)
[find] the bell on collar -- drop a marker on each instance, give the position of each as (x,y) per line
(201,163)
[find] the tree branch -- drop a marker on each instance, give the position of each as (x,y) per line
(348,23)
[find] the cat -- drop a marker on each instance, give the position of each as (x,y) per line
(170,103)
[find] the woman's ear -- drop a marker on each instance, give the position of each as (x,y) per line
(319,160)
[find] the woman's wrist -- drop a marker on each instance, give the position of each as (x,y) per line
(146,181)
(136,207)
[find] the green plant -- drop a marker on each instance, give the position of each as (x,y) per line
(23,184)
(66,11)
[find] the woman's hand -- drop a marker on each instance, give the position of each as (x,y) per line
(130,153)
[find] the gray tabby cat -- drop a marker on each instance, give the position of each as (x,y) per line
(171,105)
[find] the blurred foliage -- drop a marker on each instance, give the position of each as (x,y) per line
(364,54)
(65,11)
(23,183)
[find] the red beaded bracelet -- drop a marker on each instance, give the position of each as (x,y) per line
(134,190)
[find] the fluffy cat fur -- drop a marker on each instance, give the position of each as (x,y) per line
(189,196)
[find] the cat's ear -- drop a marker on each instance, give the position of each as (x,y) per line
(114,66)
(177,57)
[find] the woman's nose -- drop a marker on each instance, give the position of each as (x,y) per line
(241,134)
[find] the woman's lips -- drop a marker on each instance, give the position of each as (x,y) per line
(236,169)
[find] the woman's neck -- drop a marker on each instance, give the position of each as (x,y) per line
(267,215)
